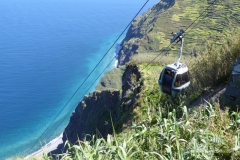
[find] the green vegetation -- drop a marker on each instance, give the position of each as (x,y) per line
(223,15)
(163,127)
(206,133)
(112,80)
(212,67)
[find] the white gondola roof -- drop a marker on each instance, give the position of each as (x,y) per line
(181,68)
(235,73)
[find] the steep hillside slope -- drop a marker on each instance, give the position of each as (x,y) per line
(202,20)
(139,29)
(162,127)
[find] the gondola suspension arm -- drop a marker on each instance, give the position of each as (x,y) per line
(180,53)
(180,37)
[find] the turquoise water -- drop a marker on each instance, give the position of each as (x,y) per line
(48,48)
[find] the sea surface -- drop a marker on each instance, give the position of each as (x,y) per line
(48,48)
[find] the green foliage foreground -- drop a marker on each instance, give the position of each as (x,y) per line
(206,133)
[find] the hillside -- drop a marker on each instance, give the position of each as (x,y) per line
(128,117)
(218,17)
(158,127)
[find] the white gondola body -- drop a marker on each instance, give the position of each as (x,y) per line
(178,82)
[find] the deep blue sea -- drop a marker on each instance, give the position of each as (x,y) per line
(48,48)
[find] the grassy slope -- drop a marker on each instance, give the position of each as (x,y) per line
(112,80)
(163,128)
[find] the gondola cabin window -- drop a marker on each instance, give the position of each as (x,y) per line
(168,78)
(234,80)
(181,79)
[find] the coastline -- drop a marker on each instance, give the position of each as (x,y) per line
(43,147)
(118,47)
(53,144)
(48,147)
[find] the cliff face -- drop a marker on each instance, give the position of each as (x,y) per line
(140,26)
(93,114)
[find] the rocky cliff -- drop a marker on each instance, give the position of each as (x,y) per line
(93,114)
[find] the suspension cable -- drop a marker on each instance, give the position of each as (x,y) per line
(106,67)
(89,75)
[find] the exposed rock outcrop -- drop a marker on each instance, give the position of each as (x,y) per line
(93,114)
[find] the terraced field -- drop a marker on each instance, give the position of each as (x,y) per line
(208,18)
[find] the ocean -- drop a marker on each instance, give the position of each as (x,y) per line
(48,48)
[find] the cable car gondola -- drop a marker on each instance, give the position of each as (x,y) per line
(174,78)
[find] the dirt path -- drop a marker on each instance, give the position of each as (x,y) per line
(209,97)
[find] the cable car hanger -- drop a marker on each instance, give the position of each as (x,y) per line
(174,78)
(180,38)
